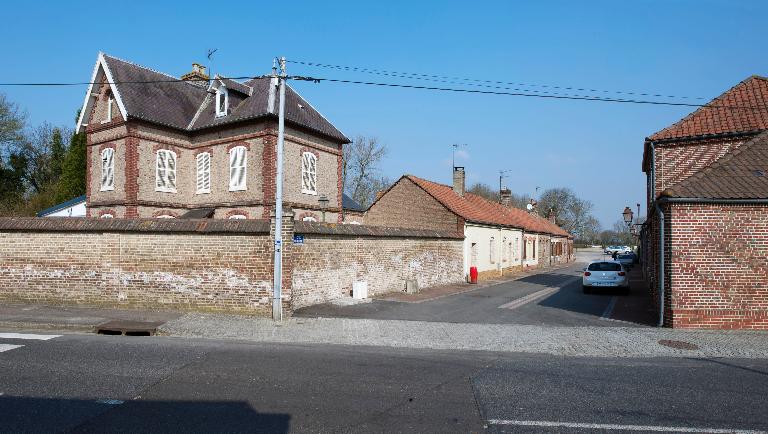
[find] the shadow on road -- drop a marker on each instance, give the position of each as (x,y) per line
(24,414)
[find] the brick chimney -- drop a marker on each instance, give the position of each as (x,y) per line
(506,197)
(458,180)
(197,76)
(551,216)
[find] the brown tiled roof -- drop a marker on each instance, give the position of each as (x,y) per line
(743,108)
(474,208)
(741,174)
(158,98)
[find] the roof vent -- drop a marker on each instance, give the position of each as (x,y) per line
(758,172)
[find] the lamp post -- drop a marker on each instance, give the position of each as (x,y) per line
(627,215)
(323,204)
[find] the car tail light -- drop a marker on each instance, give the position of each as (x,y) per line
(621,273)
(587,273)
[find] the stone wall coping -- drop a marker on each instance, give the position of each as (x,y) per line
(316,228)
(86,224)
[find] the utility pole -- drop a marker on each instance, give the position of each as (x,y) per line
(277,295)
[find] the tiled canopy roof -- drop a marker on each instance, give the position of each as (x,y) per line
(474,208)
(741,174)
(159,98)
(743,108)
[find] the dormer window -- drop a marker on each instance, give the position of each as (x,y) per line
(222,101)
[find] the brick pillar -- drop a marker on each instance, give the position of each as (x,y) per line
(287,257)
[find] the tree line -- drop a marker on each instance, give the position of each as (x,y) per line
(40,165)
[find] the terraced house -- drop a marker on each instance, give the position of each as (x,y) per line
(160,147)
(707,232)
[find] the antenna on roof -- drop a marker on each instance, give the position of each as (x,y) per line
(210,60)
(453,155)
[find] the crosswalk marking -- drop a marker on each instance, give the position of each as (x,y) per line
(27,336)
(6,347)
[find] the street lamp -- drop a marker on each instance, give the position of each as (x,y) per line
(627,215)
(323,204)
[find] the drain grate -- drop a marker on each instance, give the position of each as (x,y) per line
(128,328)
(678,345)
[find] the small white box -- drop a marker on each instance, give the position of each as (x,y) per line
(360,290)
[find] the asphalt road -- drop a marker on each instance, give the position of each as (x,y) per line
(550,298)
(91,383)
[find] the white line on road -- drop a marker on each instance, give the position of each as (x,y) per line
(7,347)
(27,336)
(514,304)
(609,309)
(613,427)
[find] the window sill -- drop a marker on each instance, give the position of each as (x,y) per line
(165,190)
(203,192)
(313,193)
(238,189)
(107,189)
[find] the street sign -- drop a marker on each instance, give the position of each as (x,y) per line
(298,239)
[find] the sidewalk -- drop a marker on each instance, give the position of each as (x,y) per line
(74,319)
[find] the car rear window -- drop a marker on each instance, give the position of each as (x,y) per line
(604,266)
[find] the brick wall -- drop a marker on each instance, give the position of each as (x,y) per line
(219,266)
(394,209)
(329,261)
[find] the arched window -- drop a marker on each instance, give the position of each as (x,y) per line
(203,161)
(237,217)
(237,168)
(222,101)
(166,216)
(107,169)
(308,173)
(106,216)
(110,107)
(165,175)
(309,218)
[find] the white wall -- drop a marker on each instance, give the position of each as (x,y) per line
(506,253)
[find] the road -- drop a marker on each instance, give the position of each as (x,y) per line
(552,297)
(92,383)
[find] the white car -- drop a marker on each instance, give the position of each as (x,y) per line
(604,274)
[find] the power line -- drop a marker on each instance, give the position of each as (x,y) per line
(524,94)
(420,76)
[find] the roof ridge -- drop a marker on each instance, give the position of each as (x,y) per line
(151,70)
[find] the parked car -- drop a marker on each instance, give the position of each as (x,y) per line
(626,260)
(609,250)
(604,274)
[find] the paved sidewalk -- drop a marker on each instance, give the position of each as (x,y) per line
(78,319)
(565,341)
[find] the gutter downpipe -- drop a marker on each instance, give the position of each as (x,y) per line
(661,235)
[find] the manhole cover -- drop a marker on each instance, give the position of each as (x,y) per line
(678,345)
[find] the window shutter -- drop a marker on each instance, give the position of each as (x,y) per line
(107,169)
(160,178)
(309,173)
(171,170)
(237,168)
(204,172)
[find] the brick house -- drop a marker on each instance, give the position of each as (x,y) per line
(497,238)
(159,146)
(707,184)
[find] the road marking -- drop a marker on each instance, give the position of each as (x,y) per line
(27,336)
(514,304)
(7,347)
(614,427)
(609,309)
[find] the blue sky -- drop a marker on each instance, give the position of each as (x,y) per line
(689,48)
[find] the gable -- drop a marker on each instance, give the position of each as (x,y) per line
(101,74)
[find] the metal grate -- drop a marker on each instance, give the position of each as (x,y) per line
(128,328)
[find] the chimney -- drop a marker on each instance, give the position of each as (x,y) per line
(506,197)
(197,76)
(458,180)
(551,216)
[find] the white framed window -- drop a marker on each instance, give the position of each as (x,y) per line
(107,216)
(222,101)
(237,217)
(165,175)
(238,169)
(492,247)
(309,218)
(107,169)
(308,173)
(203,163)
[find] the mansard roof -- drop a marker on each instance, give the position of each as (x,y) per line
(152,96)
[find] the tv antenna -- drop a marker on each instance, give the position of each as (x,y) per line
(211,51)
(453,154)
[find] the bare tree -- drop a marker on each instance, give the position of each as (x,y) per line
(571,213)
(361,173)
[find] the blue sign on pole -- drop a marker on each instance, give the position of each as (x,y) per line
(298,239)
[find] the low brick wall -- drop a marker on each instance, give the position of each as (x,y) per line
(211,265)
(332,257)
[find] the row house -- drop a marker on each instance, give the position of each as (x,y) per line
(162,146)
(706,236)
(497,238)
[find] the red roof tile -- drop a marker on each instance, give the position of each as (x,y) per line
(474,208)
(742,108)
